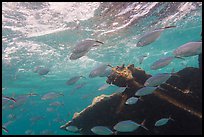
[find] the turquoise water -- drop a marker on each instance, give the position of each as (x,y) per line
(31,38)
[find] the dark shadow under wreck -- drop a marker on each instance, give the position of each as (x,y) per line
(181,99)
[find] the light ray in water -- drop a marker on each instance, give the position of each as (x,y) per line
(178,104)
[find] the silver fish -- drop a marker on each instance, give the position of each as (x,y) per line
(188,49)
(131,100)
(73,80)
(59,120)
(97,71)
(50,109)
(145,91)
(80,85)
(163,121)
(31,94)
(162,62)
(36,69)
(11,117)
(86,45)
(121,89)
(157,79)
(43,71)
(47,132)
(141,58)
(29,132)
(36,118)
(51,95)
(105,86)
(75,56)
(106,73)
(56,103)
(128,126)
(101,130)
(150,37)
(72,129)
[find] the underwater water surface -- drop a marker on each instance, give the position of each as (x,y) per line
(44,34)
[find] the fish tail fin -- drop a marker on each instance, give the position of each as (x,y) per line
(171,118)
(115,132)
(83,76)
(13,99)
(143,126)
(140,98)
(80,129)
(5,129)
(161,88)
(99,42)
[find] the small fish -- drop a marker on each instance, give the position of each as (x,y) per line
(43,71)
(31,94)
(73,80)
(188,49)
(105,86)
(101,130)
(128,126)
(36,69)
(8,98)
(50,109)
(72,129)
(157,79)
(29,132)
(4,129)
(131,100)
(80,85)
(75,56)
(36,118)
(51,95)
(163,121)
(99,70)
(7,124)
(121,89)
(12,117)
(56,103)
(150,37)
(162,62)
(106,73)
(86,45)
(59,120)
(145,91)
(85,96)
(141,58)
(47,132)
